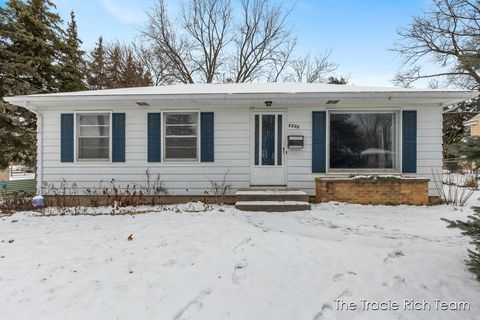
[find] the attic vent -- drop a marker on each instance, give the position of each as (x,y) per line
(142,104)
(332,101)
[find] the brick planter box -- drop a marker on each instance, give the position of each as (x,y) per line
(379,190)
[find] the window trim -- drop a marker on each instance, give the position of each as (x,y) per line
(163,137)
(398,142)
(75,134)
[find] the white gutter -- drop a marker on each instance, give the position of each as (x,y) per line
(39,147)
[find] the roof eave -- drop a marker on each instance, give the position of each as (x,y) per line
(446,97)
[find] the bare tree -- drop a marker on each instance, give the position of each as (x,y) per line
(193,51)
(281,62)
(314,70)
(210,44)
(262,38)
(154,63)
(207,23)
(447,35)
(166,41)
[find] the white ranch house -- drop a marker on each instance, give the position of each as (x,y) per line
(257,134)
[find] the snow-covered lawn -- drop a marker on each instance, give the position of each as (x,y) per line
(228,264)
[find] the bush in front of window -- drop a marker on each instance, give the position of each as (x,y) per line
(375,179)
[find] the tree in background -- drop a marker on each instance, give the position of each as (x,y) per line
(72,62)
(468,149)
(208,43)
(30,44)
(96,67)
(336,80)
(116,65)
(453,132)
(316,70)
(154,63)
(133,73)
(448,34)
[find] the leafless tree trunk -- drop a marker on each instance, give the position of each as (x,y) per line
(447,35)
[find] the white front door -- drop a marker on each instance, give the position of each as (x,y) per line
(267,149)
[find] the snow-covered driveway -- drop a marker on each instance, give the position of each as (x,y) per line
(228,264)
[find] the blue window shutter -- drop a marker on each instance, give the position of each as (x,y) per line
(118,137)
(66,137)
(409,141)
(154,137)
(319,137)
(206,137)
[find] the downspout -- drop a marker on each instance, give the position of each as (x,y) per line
(39,147)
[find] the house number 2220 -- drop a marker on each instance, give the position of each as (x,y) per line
(294,126)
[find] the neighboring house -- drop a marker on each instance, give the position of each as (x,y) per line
(4,174)
(474,125)
(254,134)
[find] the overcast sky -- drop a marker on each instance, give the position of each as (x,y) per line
(359,32)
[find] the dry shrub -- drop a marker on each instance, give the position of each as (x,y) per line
(454,188)
(68,196)
(15,202)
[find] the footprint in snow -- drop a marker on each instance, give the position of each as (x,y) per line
(345,293)
(393,255)
(239,272)
(242,245)
(193,306)
(325,313)
(341,276)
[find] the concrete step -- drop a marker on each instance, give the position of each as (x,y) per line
(272,206)
(271,195)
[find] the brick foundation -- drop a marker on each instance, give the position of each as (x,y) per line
(372,191)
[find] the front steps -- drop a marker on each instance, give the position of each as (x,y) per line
(271,200)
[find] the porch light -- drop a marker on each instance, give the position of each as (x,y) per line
(268,103)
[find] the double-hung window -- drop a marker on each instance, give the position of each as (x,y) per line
(181,136)
(93,136)
(363,140)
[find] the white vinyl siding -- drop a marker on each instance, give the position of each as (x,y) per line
(231,138)
(232,150)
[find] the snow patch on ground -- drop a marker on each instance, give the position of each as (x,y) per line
(214,262)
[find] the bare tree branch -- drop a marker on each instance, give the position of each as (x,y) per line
(210,44)
(316,70)
(447,35)
(166,41)
(155,63)
(207,22)
(260,39)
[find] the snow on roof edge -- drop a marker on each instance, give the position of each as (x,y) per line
(245,88)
